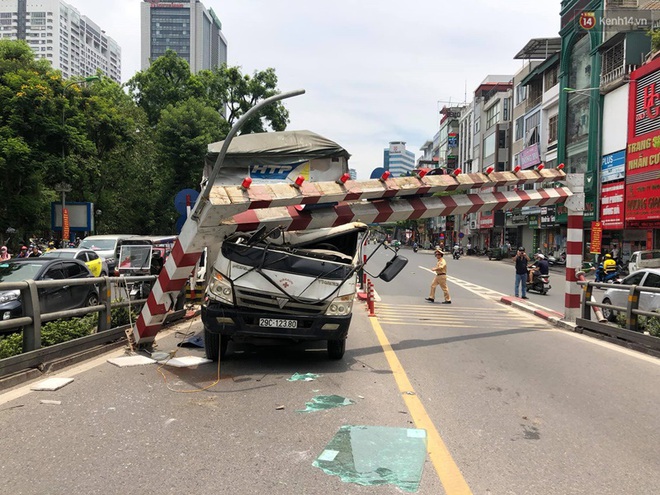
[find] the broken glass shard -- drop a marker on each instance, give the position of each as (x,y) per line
(302,377)
(376,455)
(322,402)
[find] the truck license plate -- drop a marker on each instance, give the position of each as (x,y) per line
(277,323)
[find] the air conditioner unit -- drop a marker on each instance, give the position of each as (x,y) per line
(473,224)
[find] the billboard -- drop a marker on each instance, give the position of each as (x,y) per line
(612,205)
(613,166)
(642,193)
(80,216)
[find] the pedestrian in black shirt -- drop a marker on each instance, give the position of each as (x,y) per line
(522,260)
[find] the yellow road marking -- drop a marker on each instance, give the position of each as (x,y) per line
(450,475)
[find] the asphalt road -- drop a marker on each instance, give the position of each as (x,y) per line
(510,405)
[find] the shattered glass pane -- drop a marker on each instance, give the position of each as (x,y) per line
(376,455)
(323,402)
(299,377)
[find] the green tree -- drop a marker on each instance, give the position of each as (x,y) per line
(167,81)
(27,138)
(233,94)
(183,134)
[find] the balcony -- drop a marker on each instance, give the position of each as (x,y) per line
(532,101)
(616,75)
(622,4)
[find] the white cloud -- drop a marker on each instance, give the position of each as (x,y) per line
(373,70)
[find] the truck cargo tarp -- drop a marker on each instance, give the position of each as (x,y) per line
(270,149)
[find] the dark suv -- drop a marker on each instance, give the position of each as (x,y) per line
(51,299)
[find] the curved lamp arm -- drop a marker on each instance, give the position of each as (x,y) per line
(230,135)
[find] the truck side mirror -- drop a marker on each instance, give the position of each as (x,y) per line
(392,268)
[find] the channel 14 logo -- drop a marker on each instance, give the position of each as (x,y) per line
(619,19)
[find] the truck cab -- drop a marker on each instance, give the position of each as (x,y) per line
(284,285)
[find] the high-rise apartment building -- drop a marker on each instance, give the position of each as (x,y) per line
(186,27)
(57,32)
(398,160)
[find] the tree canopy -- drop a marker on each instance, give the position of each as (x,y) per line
(128,150)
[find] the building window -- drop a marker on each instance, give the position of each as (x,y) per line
(532,129)
(521,94)
(520,128)
(551,77)
(492,115)
(552,128)
(477,125)
(506,103)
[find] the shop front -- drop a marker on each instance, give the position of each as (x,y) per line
(642,182)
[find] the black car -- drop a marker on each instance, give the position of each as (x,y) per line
(51,299)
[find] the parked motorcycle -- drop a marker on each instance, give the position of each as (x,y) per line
(456,254)
(415,248)
(540,283)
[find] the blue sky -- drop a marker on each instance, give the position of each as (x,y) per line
(374,71)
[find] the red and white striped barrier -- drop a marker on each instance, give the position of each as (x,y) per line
(573,293)
(232,208)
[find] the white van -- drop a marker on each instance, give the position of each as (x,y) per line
(106,247)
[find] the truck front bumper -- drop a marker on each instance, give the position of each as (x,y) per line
(227,320)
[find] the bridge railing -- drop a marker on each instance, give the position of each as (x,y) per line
(631,334)
(30,324)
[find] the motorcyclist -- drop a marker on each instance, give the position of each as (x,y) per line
(609,265)
(415,247)
(540,266)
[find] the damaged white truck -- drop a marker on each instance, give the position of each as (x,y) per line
(285,285)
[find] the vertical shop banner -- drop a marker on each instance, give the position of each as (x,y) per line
(65,225)
(612,205)
(596,238)
(642,200)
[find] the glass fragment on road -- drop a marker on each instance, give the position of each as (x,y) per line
(323,402)
(302,377)
(376,455)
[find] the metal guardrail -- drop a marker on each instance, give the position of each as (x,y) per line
(33,354)
(630,335)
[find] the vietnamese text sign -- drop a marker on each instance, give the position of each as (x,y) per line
(612,205)
(65,224)
(529,157)
(596,237)
(613,166)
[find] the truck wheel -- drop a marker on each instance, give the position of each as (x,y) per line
(336,348)
(215,345)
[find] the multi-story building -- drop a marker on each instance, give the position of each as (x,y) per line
(489,118)
(57,32)
(608,106)
(534,141)
(398,160)
(448,137)
(186,27)
(465,143)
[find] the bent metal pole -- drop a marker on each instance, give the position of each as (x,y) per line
(188,248)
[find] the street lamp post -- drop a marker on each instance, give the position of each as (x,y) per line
(63,187)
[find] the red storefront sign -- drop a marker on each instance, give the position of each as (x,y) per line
(642,195)
(486,220)
(596,238)
(612,205)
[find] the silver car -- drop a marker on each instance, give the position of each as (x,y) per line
(617,296)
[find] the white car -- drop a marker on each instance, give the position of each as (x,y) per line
(618,296)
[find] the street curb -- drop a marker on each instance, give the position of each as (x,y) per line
(546,314)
